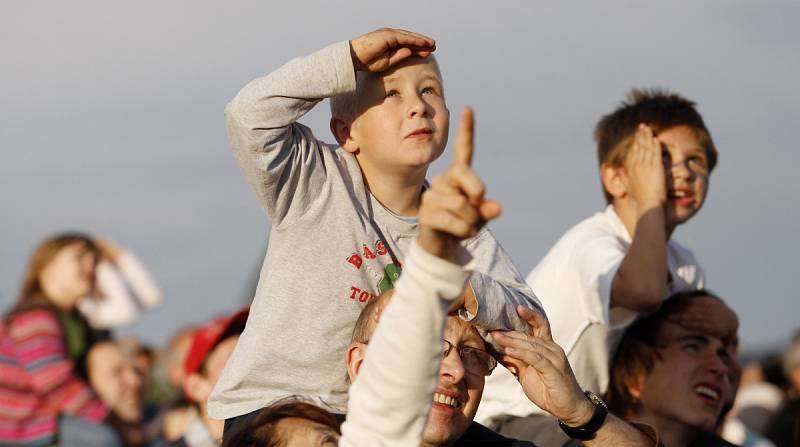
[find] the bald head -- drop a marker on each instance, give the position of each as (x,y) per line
(368,319)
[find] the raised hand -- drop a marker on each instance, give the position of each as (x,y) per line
(109,251)
(453,208)
(385,47)
(647,184)
(543,370)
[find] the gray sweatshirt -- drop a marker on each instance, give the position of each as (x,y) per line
(332,245)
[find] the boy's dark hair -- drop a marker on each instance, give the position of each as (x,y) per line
(640,349)
(260,431)
(659,109)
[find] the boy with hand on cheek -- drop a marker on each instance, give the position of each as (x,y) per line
(343,217)
(655,157)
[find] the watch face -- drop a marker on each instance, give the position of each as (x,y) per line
(596,399)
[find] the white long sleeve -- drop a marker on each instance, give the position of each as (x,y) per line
(391,398)
(127,289)
(136,276)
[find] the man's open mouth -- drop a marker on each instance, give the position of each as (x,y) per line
(446,400)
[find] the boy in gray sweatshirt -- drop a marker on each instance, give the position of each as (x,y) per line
(343,216)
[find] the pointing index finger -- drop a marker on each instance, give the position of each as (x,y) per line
(462,153)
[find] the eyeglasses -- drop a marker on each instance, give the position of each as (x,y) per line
(476,361)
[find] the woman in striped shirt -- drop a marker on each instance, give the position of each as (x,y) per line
(43,400)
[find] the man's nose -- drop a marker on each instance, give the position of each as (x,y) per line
(132,378)
(717,363)
(452,367)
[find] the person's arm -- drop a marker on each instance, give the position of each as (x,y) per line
(641,280)
(113,305)
(39,346)
(141,282)
(547,379)
(391,398)
(282,161)
(495,288)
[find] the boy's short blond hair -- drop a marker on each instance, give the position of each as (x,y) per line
(659,109)
(346,106)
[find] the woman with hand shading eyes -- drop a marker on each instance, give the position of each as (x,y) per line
(43,399)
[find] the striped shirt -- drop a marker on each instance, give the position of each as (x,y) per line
(38,382)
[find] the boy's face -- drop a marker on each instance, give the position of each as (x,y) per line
(686,165)
(403,120)
(692,379)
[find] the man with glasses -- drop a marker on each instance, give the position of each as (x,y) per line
(462,374)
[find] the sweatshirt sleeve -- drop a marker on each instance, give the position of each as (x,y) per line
(282,161)
(39,346)
(390,399)
(498,287)
(126,289)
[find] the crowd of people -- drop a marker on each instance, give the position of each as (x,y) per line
(387,314)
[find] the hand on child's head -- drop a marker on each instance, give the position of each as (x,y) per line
(453,208)
(383,48)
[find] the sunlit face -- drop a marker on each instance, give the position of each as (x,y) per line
(217,359)
(686,165)
(69,276)
(116,380)
(692,380)
(460,389)
(201,383)
(403,120)
(299,432)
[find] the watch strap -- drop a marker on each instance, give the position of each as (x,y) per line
(589,429)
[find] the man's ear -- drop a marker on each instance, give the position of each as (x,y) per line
(635,385)
(354,356)
(196,387)
(615,180)
(341,131)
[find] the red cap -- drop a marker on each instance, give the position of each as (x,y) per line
(207,337)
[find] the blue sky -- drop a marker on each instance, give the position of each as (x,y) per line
(112,123)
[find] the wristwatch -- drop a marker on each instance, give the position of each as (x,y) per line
(587,431)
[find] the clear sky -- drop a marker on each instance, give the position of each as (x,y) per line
(111,122)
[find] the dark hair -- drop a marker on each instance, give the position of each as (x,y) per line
(260,431)
(640,348)
(659,109)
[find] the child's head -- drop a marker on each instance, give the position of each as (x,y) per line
(396,121)
(665,371)
(689,153)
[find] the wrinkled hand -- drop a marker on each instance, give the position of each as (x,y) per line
(453,208)
(542,369)
(383,48)
(647,183)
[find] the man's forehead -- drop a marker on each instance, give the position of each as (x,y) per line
(672,333)
(458,331)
